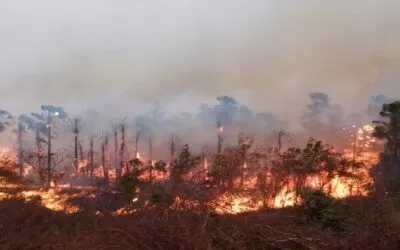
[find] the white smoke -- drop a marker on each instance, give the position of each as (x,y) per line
(121,55)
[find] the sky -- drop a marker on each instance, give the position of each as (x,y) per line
(121,55)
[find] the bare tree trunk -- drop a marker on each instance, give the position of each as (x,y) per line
(76,132)
(122,152)
(81,152)
(150,160)
(219,154)
(81,158)
(242,158)
(39,157)
(20,150)
(172,148)
(136,149)
(91,163)
(117,170)
(104,161)
(49,154)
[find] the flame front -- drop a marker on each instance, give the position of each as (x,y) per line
(231,203)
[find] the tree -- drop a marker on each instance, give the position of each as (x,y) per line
(105,160)
(6,120)
(45,125)
(157,112)
(387,171)
(315,159)
(322,117)
(180,167)
(21,129)
(76,126)
(229,164)
(375,104)
(224,111)
(8,168)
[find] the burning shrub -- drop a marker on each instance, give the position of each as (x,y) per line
(319,207)
(8,168)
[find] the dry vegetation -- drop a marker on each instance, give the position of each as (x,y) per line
(30,226)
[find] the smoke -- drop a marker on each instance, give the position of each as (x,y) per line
(119,56)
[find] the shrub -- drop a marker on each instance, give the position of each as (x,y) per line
(319,207)
(159,197)
(129,184)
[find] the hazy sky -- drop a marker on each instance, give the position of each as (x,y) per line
(268,53)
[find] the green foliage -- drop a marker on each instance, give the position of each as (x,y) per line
(318,207)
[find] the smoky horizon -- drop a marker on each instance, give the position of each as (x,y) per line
(122,56)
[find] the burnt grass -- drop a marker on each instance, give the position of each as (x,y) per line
(28,225)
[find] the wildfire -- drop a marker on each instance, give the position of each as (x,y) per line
(52,199)
(235,204)
(339,187)
(361,149)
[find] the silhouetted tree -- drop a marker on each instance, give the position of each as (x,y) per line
(387,172)
(181,166)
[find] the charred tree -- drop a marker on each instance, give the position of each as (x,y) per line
(172,148)
(81,156)
(136,149)
(121,153)
(91,163)
(242,157)
(20,149)
(76,126)
(39,154)
(204,162)
(104,161)
(117,171)
(76,133)
(218,160)
(387,128)
(151,166)
(49,153)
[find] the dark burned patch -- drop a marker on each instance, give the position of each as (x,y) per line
(99,202)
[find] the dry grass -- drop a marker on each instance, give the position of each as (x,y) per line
(29,226)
